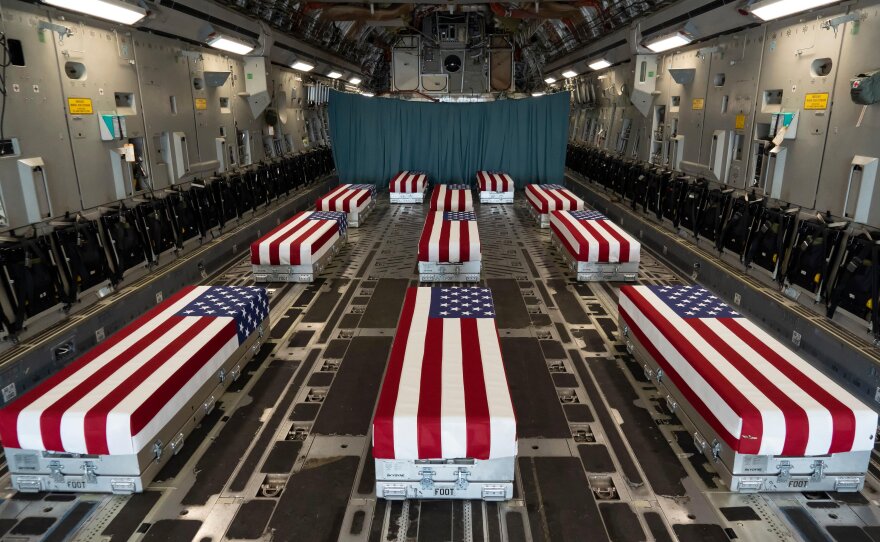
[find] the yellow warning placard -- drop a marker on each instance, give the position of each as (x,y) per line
(201,104)
(698,104)
(80,106)
(740,122)
(816,101)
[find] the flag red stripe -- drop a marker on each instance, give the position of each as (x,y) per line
(476,403)
(301,234)
(255,247)
(621,239)
(9,414)
(464,246)
(435,198)
(96,417)
(569,197)
(383,423)
(797,425)
(425,239)
(843,419)
(170,387)
(604,247)
(581,253)
(50,421)
(752,423)
(430,392)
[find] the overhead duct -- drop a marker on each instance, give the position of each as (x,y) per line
(359,12)
(546,10)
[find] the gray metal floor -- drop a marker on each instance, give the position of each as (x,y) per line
(286,456)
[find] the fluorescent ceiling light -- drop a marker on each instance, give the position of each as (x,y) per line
(536,94)
(334,75)
(111,10)
(668,41)
(231,45)
(569,74)
(774,9)
(367,94)
(302,66)
(600,64)
(550,80)
(355,80)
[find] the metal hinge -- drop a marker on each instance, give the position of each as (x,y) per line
(784,472)
(671,404)
(659,375)
(427,478)
(818,467)
(462,482)
(55,469)
(89,473)
(157,450)
(716,450)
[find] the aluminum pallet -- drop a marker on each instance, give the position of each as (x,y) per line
(597,271)
(750,473)
(35,471)
(488,480)
(355,217)
(496,197)
(450,272)
(407,197)
(297,273)
(543,219)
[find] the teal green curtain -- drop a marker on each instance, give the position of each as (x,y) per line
(374,138)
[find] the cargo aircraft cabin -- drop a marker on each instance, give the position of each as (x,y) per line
(439,270)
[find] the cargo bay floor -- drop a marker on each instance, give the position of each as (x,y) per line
(286,456)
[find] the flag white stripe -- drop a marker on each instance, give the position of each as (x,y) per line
(865,417)
(454,241)
(406,409)
(595,242)
(73,436)
(119,438)
(28,421)
(305,248)
(265,244)
(729,419)
(502,421)
(434,241)
(453,416)
(474,241)
(819,418)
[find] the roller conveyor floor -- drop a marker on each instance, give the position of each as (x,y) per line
(286,456)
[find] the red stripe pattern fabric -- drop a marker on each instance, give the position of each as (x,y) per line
(346,198)
(453,197)
(494,181)
(445,393)
(116,398)
(301,240)
(759,396)
(552,197)
(590,237)
(408,182)
(450,238)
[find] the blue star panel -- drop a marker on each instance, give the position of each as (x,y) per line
(470,302)
(246,304)
(340,218)
(693,302)
(587,215)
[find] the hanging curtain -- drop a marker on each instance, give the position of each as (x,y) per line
(374,138)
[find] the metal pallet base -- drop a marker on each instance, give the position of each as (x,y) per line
(496,197)
(410,197)
(488,480)
(355,217)
(597,271)
(35,471)
(750,473)
(297,273)
(543,219)
(450,272)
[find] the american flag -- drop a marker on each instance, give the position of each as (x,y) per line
(452,197)
(590,237)
(450,237)
(445,393)
(370,187)
(757,395)
(301,240)
(408,182)
(552,197)
(345,198)
(494,181)
(117,397)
